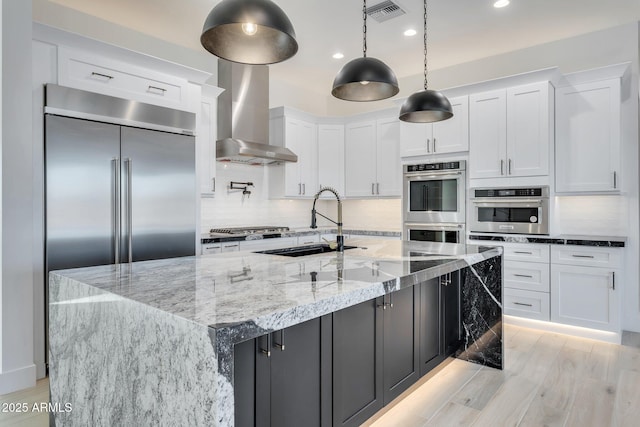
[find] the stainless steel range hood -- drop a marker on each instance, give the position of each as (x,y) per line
(243,116)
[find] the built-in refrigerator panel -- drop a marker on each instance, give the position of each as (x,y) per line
(81,206)
(159,198)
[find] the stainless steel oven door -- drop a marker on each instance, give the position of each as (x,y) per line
(523,216)
(441,233)
(432,197)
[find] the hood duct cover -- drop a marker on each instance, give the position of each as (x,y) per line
(243,116)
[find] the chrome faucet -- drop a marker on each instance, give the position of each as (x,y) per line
(339,236)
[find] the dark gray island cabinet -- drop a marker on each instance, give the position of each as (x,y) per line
(261,340)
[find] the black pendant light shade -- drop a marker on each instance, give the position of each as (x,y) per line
(249,32)
(365,79)
(426,106)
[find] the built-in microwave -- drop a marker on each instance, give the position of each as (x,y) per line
(510,210)
(434,192)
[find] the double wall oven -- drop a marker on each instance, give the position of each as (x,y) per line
(433,201)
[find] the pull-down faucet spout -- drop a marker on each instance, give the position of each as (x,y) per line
(339,236)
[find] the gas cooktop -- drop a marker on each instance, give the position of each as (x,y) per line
(244,231)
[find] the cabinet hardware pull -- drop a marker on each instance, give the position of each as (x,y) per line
(106,76)
(523,252)
(267,352)
(373,188)
(526,305)
(509,166)
(434,145)
(299,189)
(501,167)
(428,141)
(377,188)
(613,280)
(213,184)
(390,300)
(582,256)
(281,344)
(304,189)
(156,90)
(230,246)
(615,179)
(523,275)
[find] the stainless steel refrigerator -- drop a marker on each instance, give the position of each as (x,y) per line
(120,181)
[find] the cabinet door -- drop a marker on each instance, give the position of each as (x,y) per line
(452,135)
(415,139)
(452,322)
(388,169)
(360,159)
(308,158)
(487,134)
(206,143)
(357,363)
(401,341)
(588,137)
(584,296)
(293,137)
(331,158)
(528,131)
(430,325)
(244,383)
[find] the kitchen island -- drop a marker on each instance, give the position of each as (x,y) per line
(152,343)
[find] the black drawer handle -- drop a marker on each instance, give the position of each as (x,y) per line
(523,275)
(105,76)
(583,256)
(523,253)
(156,90)
(521,303)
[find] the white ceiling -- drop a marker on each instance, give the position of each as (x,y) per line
(459,30)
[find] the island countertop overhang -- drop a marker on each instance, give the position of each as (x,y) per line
(244,295)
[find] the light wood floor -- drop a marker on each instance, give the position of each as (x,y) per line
(549,380)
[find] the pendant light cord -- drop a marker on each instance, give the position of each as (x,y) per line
(364,28)
(425,44)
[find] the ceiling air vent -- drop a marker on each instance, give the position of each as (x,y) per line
(384,11)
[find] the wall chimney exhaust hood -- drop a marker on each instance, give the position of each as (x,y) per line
(243,116)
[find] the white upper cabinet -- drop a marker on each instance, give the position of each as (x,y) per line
(372,158)
(331,158)
(510,131)
(588,133)
(294,179)
(206,142)
(448,136)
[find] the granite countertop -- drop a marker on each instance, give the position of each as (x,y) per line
(562,239)
(220,237)
(269,292)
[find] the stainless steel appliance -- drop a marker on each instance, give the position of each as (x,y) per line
(434,192)
(116,193)
(247,231)
(441,233)
(510,210)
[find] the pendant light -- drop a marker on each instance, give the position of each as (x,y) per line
(426,106)
(365,79)
(249,32)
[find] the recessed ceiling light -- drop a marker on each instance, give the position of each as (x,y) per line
(501,3)
(338,55)
(410,32)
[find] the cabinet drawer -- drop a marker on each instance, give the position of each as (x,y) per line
(587,256)
(82,71)
(262,244)
(526,252)
(530,304)
(526,275)
(308,240)
(211,248)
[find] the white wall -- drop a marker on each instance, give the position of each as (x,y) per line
(17,369)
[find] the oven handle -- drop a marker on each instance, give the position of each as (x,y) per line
(493,202)
(411,175)
(435,227)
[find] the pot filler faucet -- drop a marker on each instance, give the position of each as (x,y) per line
(339,236)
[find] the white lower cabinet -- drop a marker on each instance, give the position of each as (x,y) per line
(585,286)
(264,244)
(308,240)
(526,280)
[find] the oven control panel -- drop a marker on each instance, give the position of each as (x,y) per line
(460,165)
(512,192)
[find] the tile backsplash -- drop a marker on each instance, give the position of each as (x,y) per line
(592,215)
(228,208)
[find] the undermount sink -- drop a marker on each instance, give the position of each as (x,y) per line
(302,250)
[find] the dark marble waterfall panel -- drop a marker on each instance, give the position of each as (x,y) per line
(481,294)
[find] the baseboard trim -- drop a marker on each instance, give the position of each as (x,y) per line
(18,379)
(576,331)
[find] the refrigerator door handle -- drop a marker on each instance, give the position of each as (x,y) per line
(115,194)
(129,164)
